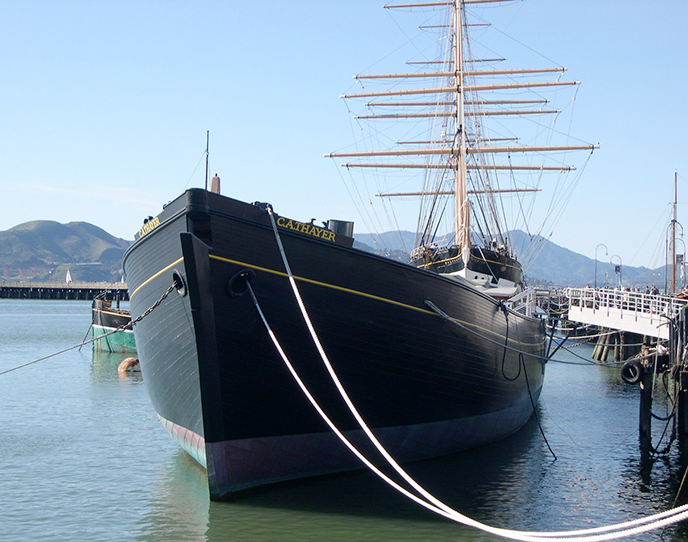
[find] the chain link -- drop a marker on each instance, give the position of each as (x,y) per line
(150,309)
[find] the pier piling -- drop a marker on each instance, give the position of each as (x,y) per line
(645,424)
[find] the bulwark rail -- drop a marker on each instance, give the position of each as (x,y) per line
(636,312)
(63,290)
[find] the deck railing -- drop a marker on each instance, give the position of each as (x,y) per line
(655,307)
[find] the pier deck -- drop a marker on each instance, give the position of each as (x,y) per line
(644,314)
(63,290)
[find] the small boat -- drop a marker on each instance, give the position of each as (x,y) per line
(260,335)
(105,320)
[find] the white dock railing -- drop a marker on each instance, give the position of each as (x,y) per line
(644,314)
(523,302)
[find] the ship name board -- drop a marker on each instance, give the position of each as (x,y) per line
(309,229)
(149,226)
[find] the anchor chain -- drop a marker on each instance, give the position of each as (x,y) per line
(128,325)
(151,308)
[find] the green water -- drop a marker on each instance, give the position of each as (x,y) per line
(84,457)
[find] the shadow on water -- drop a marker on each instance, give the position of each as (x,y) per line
(352,506)
(459,479)
(600,477)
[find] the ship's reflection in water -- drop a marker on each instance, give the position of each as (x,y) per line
(588,415)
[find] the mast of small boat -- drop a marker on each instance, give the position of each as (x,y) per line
(673,235)
(207,147)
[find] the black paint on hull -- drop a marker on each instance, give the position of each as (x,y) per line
(427,386)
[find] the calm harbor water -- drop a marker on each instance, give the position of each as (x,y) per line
(84,457)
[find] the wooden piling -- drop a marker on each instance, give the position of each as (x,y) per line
(602,347)
(605,347)
(683,407)
(622,346)
(597,348)
(645,425)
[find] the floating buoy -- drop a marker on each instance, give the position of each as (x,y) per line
(129,365)
(632,371)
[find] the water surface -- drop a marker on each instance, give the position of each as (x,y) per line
(84,457)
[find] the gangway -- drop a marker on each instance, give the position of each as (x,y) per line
(635,312)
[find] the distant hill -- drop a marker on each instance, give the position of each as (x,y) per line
(554,266)
(44,250)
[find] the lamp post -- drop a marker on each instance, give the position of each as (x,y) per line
(606,253)
(617,269)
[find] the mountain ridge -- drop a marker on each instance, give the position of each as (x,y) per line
(42,250)
(45,250)
(554,266)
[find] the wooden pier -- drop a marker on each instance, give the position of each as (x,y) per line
(64,290)
(633,312)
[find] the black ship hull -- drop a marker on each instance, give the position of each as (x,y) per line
(427,386)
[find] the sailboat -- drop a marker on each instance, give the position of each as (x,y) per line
(271,347)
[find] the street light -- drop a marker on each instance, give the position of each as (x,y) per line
(617,269)
(606,253)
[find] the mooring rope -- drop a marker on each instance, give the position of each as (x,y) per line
(444,315)
(432,503)
(595,336)
(123,327)
(57,353)
(522,365)
(86,335)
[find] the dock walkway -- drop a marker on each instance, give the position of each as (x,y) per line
(635,312)
(63,290)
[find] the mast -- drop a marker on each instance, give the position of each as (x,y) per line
(207,146)
(461,157)
(673,235)
(462,211)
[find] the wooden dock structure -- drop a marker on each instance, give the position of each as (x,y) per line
(634,312)
(114,291)
(662,323)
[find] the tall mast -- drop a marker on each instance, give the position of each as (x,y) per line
(207,147)
(462,210)
(673,235)
(452,94)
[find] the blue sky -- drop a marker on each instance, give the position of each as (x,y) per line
(105,107)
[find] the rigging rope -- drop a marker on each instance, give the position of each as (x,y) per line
(429,501)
